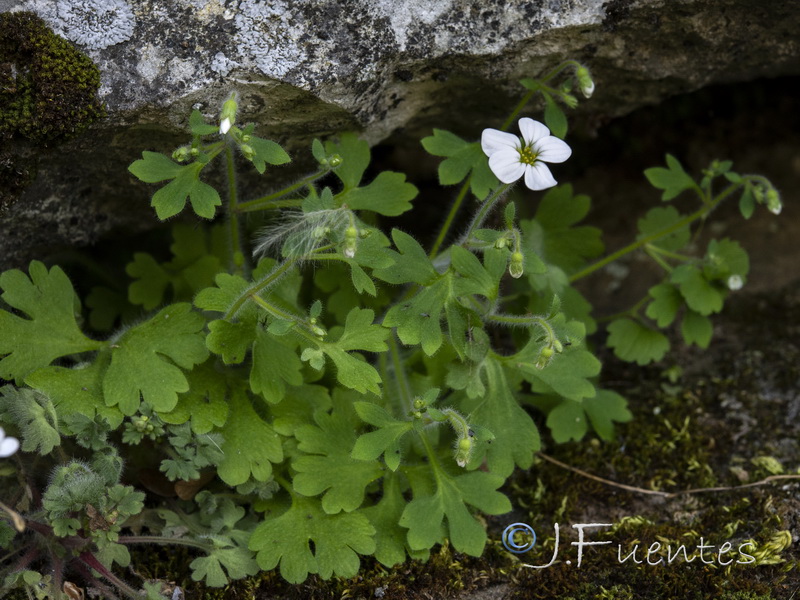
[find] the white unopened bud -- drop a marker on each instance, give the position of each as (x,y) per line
(585,81)
(735,282)
(225,126)
(515,268)
(774,204)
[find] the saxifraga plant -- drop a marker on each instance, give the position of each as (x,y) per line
(292,413)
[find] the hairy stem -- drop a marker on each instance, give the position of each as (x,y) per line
(257,287)
(271,200)
(484,211)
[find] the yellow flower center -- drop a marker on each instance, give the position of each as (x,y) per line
(527,155)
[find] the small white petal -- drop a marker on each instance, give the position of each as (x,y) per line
(506,166)
(538,177)
(552,150)
(532,130)
(8,445)
(225,126)
(494,140)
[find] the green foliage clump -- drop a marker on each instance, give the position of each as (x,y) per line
(370,405)
(48,89)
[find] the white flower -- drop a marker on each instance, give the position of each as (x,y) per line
(8,445)
(511,157)
(225,126)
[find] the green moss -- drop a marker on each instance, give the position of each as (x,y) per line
(48,89)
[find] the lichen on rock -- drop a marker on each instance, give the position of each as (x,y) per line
(48,89)
(95,24)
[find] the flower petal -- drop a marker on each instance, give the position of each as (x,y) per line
(8,445)
(538,177)
(493,140)
(552,150)
(506,166)
(532,130)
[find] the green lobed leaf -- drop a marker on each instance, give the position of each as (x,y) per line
(238,563)
(390,538)
(267,152)
(462,157)
(424,515)
(605,408)
(567,374)
(696,329)
(275,366)
(385,439)
(673,180)
(151,281)
(355,156)
(77,390)
(198,125)
(700,294)
(418,321)
(251,445)
(230,340)
(205,403)
(633,342)
(170,199)
(146,361)
(351,371)
(666,302)
(516,435)
(567,421)
(411,264)
(327,467)
(154,167)
(51,330)
(389,194)
(360,333)
(337,541)
(725,258)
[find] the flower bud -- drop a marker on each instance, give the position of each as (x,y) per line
(350,238)
(463,451)
(228,115)
(515,265)
(735,282)
(247,151)
(774,204)
(501,243)
(334,160)
(545,354)
(585,81)
(181,154)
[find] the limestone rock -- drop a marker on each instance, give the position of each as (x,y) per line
(307,68)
